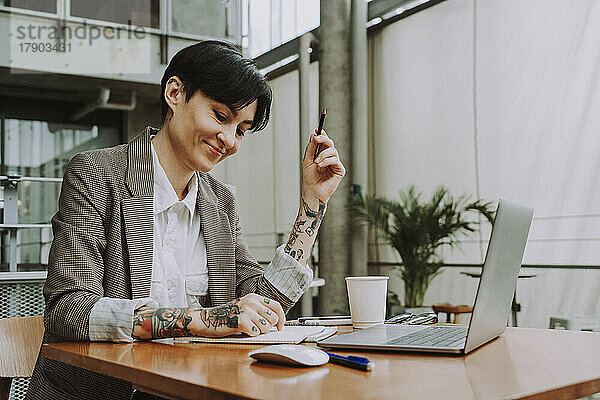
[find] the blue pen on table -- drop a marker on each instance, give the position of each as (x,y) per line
(360,363)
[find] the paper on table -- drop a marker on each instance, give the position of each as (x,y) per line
(328,331)
(289,334)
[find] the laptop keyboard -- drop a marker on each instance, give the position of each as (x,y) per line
(433,336)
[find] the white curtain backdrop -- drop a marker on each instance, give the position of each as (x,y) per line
(500,98)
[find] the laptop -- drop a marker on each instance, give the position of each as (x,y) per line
(492,302)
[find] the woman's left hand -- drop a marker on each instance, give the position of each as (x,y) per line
(321,176)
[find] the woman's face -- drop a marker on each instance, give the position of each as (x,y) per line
(204,132)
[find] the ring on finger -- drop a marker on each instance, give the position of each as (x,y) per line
(262,325)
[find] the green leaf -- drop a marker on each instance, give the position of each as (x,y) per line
(418,230)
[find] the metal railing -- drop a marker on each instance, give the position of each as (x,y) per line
(475,265)
(10,223)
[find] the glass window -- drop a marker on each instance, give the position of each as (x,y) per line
(260,32)
(41,149)
(204,18)
(48,6)
(276,27)
(272,22)
(308,16)
(289,27)
(245,21)
(134,12)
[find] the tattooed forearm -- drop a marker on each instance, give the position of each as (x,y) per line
(156,323)
(296,231)
(297,254)
(225,315)
(315,216)
(304,231)
(161,322)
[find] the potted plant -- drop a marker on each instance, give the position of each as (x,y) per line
(418,230)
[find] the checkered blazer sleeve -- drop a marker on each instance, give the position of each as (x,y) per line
(75,265)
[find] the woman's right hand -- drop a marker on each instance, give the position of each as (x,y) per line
(252,314)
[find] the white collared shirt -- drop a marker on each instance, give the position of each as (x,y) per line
(179,267)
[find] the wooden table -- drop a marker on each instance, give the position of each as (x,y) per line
(522,363)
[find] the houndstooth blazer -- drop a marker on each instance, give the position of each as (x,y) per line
(102,247)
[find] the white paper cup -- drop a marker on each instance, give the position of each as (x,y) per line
(367,296)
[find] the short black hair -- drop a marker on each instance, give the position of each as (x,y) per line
(220,71)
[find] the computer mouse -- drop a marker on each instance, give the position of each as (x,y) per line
(291,354)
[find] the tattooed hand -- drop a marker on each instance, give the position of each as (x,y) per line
(259,314)
(321,177)
(251,314)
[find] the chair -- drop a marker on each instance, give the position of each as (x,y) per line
(452,312)
(20,341)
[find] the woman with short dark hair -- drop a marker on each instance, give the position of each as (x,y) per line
(148,245)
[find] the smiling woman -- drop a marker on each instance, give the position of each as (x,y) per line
(226,78)
(201,131)
(211,97)
(147,244)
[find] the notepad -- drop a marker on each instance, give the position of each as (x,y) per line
(289,334)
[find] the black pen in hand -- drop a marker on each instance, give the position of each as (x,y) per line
(319,129)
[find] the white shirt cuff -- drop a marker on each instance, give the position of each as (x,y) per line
(112,319)
(287,275)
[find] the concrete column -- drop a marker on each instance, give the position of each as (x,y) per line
(335,237)
(305,129)
(359,130)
